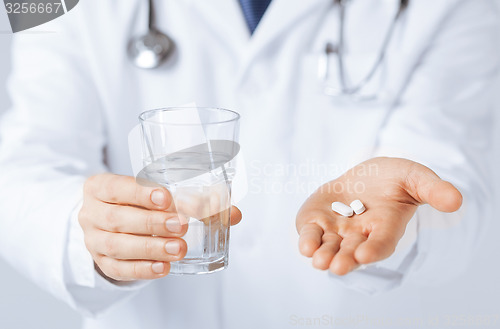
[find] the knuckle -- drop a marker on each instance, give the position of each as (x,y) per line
(138,193)
(110,247)
(116,271)
(136,272)
(98,260)
(110,189)
(150,223)
(112,221)
(149,247)
(88,186)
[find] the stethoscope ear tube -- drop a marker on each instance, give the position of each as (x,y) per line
(353,91)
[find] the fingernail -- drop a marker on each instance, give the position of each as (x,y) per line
(173,225)
(158,197)
(172,247)
(158,267)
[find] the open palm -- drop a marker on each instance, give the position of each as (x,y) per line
(391,189)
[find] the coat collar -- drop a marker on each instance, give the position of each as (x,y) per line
(226,19)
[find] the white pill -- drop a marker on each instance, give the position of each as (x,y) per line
(358,207)
(342,209)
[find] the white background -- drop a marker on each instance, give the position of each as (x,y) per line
(23,305)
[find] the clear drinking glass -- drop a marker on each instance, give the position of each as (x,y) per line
(190,151)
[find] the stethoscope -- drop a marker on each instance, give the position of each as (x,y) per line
(352,91)
(153,48)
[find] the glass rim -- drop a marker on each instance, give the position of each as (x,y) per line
(142,118)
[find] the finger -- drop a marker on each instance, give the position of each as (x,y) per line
(128,247)
(344,262)
(324,255)
(426,187)
(200,204)
(126,219)
(235,215)
(119,189)
(227,216)
(317,213)
(380,244)
(310,239)
(128,270)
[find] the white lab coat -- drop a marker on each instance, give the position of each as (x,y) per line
(76,96)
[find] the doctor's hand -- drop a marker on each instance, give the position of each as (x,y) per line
(391,190)
(132,232)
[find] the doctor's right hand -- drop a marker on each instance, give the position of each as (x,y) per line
(132,231)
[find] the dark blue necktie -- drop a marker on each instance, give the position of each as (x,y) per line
(253,11)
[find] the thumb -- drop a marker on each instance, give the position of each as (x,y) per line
(426,187)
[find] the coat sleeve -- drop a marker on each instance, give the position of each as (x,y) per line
(444,120)
(52,138)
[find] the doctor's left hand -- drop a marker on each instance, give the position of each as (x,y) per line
(133,232)
(391,190)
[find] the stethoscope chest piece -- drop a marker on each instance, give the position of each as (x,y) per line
(150,50)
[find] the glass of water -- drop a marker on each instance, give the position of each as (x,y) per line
(191,152)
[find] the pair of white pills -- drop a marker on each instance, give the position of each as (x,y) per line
(344,210)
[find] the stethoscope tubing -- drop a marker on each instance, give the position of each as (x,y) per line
(353,90)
